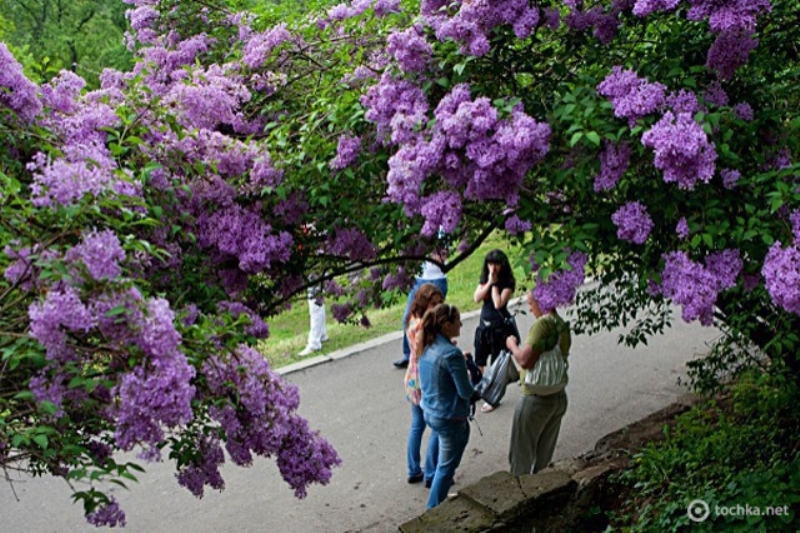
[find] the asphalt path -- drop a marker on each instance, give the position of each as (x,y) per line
(355,398)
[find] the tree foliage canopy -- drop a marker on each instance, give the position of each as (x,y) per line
(150,225)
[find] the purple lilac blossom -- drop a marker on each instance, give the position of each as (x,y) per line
(60,310)
(346,152)
(743,111)
(715,94)
(614,160)
(696,287)
(560,287)
(62,92)
(442,212)
(215,96)
(642,8)
(682,150)
(515,225)
(260,45)
(682,228)
(410,49)
(107,515)
(633,222)
(631,97)
(729,177)
(683,102)
(341,312)
(794,220)
(259,418)
(384,7)
(204,470)
(726,15)
(473,22)
(400,280)
(101,253)
(352,244)
(781,272)
(47,389)
(257,327)
(729,52)
(552,18)
(83,169)
(17,92)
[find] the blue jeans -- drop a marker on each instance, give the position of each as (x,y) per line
(415,444)
(441,283)
(453,438)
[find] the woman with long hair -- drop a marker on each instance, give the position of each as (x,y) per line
(446,393)
(495,288)
(426,297)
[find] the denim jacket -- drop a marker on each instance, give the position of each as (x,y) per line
(443,375)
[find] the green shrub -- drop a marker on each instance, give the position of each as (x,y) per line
(738,454)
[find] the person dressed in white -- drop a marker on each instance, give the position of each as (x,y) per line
(318,332)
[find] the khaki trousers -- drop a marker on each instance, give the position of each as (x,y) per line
(537,421)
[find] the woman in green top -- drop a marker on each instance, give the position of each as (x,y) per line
(537,418)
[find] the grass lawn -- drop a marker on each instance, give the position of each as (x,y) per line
(289,330)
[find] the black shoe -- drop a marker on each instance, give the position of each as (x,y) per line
(402,363)
(428,483)
(416,478)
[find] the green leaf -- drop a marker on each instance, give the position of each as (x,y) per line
(576,137)
(593,138)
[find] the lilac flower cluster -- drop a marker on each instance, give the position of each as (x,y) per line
(468,145)
(614,160)
(631,97)
(605,23)
(471,23)
(259,418)
(633,222)
(341,312)
(101,253)
(642,8)
(351,243)
(683,102)
(346,152)
(108,515)
(60,311)
(399,280)
(743,111)
(410,49)
(729,177)
(62,92)
(696,287)
(442,212)
(159,390)
(560,287)
(682,150)
(727,15)
(729,52)
(714,94)
(241,233)
(205,471)
(257,327)
(259,46)
(17,92)
(515,225)
(215,96)
(682,228)
(781,271)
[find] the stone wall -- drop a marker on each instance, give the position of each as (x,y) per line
(556,499)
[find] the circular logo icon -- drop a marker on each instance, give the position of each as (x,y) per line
(698,510)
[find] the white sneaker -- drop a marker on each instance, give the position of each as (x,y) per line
(308,350)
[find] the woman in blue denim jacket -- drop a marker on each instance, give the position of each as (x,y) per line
(446,393)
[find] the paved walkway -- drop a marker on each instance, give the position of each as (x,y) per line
(355,398)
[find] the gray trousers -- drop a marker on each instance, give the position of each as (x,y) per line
(537,421)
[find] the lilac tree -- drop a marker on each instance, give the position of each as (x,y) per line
(151,225)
